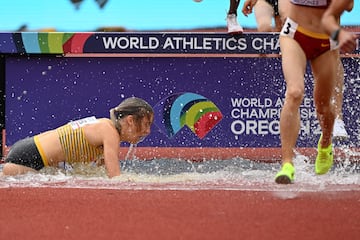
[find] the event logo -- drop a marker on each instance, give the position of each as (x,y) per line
(186,109)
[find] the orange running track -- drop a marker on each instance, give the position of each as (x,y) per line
(79,214)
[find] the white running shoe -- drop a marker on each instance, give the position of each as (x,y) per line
(339,130)
(233,25)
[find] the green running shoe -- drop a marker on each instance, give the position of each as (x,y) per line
(324,159)
(286,174)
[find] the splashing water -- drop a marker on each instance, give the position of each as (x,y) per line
(176,174)
(131,152)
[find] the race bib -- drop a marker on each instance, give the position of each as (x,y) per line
(82,122)
(289,28)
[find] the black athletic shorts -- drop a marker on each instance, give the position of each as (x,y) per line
(25,152)
(275,5)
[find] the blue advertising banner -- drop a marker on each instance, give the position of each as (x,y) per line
(208,90)
(198,101)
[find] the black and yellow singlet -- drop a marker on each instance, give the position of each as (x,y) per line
(74,144)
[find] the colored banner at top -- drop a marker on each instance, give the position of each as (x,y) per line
(139,43)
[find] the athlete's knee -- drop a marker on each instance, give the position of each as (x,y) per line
(9,169)
(295,95)
(15,169)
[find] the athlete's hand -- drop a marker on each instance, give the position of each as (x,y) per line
(248,7)
(347,41)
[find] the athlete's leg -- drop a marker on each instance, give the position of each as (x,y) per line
(231,19)
(264,13)
(325,80)
(15,169)
(294,66)
(234,4)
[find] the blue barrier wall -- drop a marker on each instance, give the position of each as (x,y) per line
(238,79)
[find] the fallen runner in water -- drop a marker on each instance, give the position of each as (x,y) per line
(85,140)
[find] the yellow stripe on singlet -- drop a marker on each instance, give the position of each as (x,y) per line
(41,151)
(76,147)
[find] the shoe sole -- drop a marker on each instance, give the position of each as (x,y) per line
(283,180)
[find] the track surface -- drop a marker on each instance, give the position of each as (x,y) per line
(74,213)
